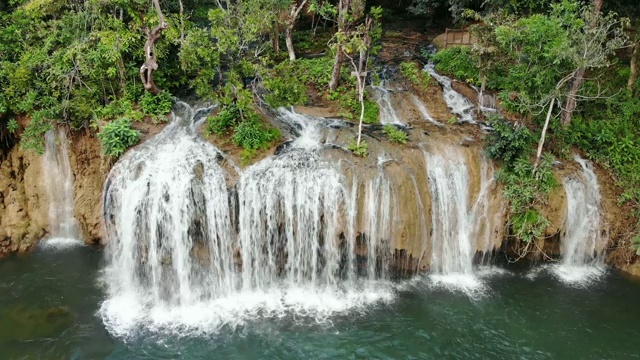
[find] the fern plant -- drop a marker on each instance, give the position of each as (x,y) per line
(117,136)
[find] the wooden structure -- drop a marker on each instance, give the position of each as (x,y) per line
(457,37)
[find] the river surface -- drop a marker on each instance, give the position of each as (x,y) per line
(49,303)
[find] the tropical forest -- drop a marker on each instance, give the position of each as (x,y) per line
(319,179)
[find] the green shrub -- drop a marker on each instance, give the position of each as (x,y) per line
(247,155)
(114,109)
(156,105)
(285,91)
(412,73)
(12,126)
(635,244)
(506,142)
(394,134)
(529,225)
(315,72)
(224,120)
(526,187)
(457,62)
(358,150)
(371,112)
(349,106)
(251,134)
(33,135)
(117,136)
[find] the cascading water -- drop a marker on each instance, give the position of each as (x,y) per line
(457,219)
(388,114)
(582,243)
(457,103)
(63,228)
(178,259)
(423,111)
(168,221)
(301,209)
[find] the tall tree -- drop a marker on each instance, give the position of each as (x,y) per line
(289,23)
(350,14)
(590,27)
(633,66)
(343,11)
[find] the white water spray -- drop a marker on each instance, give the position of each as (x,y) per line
(460,224)
(423,110)
(185,256)
(582,244)
(63,227)
(457,103)
(388,114)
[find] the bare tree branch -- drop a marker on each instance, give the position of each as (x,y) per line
(151,64)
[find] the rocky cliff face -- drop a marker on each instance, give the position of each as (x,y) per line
(24,202)
(90,170)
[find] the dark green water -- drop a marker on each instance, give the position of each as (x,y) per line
(49,302)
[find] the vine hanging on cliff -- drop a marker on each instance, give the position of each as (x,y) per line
(151,65)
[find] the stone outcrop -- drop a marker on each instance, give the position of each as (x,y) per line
(23,201)
(23,197)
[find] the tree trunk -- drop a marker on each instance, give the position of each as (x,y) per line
(578,78)
(151,65)
(181,21)
(634,67)
(361,120)
(570,106)
(343,8)
(290,23)
(275,39)
(337,66)
(481,96)
(544,134)
(288,33)
(597,6)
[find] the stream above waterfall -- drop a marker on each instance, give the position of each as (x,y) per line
(50,301)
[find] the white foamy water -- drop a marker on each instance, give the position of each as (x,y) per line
(459,223)
(459,105)
(423,110)
(388,113)
(187,254)
(55,243)
(125,314)
(58,178)
(582,244)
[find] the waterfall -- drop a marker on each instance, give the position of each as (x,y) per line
(423,110)
(458,221)
(63,227)
(387,112)
(168,221)
(188,253)
(457,103)
(582,244)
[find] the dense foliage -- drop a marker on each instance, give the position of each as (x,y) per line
(567,64)
(526,186)
(78,62)
(411,72)
(117,136)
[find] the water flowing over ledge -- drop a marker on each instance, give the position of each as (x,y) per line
(63,227)
(195,244)
(583,243)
